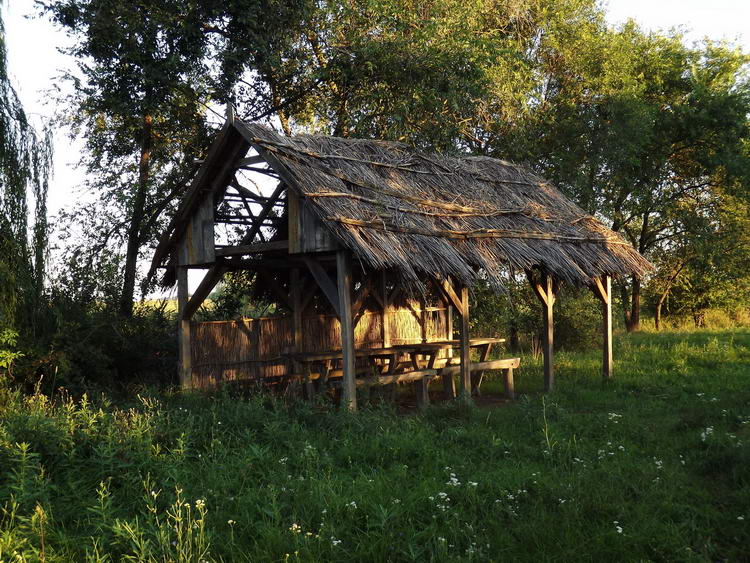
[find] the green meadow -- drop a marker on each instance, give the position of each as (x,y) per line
(653,465)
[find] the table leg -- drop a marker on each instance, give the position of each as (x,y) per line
(307,387)
(420,388)
(510,391)
(449,387)
(476,378)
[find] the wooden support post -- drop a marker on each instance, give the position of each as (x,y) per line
(212,277)
(325,283)
(386,328)
(549,338)
(451,300)
(295,289)
(344,278)
(464,342)
(603,290)
(546,290)
(185,351)
(449,325)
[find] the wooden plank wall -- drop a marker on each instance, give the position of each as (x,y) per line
(253,349)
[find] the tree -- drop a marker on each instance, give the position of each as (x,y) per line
(640,130)
(715,261)
(148,70)
(424,73)
(137,101)
(25,164)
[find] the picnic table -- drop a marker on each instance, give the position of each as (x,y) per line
(384,365)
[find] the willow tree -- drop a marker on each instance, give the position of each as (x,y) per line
(25,163)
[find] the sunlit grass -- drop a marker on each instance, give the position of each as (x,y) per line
(649,466)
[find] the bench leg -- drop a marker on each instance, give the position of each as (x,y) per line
(476,378)
(476,382)
(510,391)
(420,388)
(449,387)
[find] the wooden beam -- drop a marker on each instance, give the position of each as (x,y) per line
(273,263)
(249,161)
(602,288)
(246,193)
(185,351)
(377,293)
(254,248)
(344,279)
(450,294)
(324,282)
(250,236)
(207,285)
(362,294)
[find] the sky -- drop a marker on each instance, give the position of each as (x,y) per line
(34,61)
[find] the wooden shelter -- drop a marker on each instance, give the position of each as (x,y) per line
(364,223)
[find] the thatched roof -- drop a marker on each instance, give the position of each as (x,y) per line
(428,214)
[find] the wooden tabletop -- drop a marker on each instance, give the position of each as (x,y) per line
(396,349)
(473,342)
(361,353)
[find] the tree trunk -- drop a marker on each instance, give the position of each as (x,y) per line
(657,315)
(513,333)
(136,220)
(635,307)
(699,318)
(665,293)
(625,299)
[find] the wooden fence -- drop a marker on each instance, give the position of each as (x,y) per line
(256,349)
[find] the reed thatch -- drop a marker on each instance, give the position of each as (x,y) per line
(418,214)
(421,215)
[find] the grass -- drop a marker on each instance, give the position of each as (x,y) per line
(651,466)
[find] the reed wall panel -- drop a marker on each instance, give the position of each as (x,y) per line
(255,350)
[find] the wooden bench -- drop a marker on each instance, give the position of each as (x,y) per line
(422,377)
(507,366)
